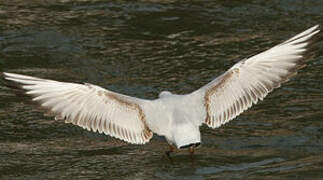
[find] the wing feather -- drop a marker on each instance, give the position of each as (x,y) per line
(89,106)
(252,79)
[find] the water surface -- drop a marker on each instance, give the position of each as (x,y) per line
(140,48)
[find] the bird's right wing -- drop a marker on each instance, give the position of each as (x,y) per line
(252,79)
(89,106)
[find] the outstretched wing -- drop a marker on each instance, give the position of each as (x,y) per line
(89,106)
(252,79)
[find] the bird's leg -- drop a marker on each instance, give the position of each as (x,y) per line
(191,150)
(171,149)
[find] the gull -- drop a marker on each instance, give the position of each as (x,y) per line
(176,117)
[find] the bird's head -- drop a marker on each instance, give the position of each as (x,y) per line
(164,94)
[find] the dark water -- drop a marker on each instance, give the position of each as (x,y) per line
(140,48)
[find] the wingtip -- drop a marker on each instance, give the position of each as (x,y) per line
(312,31)
(8,76)
(315,29)
(5,75)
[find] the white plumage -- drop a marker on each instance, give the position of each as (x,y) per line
(177,117)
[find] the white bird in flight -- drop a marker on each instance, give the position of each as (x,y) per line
(176,117)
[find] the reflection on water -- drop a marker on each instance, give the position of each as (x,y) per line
(140,48)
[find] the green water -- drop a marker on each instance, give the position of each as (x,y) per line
(140,48)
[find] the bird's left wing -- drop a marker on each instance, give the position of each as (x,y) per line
(89,106)
(252,79)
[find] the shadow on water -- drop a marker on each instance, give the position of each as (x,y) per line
(140,48)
